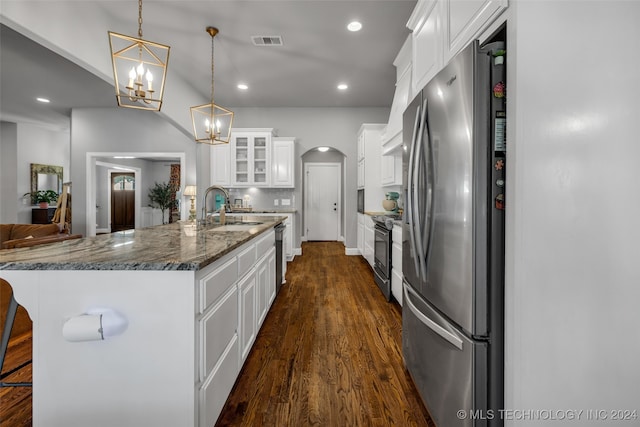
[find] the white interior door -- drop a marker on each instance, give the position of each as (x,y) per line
(322,201)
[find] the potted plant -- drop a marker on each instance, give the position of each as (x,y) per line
(160,196)
(42,197)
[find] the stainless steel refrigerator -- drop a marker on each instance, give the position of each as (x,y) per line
(453,239)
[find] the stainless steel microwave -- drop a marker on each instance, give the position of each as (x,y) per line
(361,200)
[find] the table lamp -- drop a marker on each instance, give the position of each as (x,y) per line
(190,190)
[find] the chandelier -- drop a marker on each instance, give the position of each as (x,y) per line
(211,123)
(136,65)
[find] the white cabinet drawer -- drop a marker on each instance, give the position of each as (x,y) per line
(216,389)
(219,326)
(246,259)
(216,282)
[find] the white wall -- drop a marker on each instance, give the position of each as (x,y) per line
(573,276)
(314,127)
(98,130)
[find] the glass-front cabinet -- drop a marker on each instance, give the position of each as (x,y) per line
(251,158)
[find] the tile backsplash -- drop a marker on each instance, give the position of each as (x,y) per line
(265,198)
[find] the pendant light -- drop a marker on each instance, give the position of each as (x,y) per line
(211,123)
(139,69)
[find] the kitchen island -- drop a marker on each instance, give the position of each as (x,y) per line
(180,307)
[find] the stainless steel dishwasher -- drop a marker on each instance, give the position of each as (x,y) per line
(279,232)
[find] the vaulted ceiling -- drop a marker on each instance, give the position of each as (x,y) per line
(317,54)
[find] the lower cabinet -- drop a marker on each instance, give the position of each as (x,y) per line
(369,239)
(396,262)
(360,233)
(234,297)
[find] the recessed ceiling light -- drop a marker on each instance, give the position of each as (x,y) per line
(44,100)
(123,157)
(343,86)
(242,86)
(354,26)
(323,149)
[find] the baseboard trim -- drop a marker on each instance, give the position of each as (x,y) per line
(351,251)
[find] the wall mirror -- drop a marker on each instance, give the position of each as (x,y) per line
(46,177)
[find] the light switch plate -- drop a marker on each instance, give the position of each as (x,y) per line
(286,202)
(275,202)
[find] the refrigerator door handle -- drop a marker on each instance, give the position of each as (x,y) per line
(430,184)
(410,201)
(417,224)
(448,336)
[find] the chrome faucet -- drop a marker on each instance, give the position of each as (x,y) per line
(227,206)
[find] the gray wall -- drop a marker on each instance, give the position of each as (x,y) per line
(23,144)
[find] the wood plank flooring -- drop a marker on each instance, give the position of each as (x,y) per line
(329,354)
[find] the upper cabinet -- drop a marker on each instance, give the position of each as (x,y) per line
(464,20)
(283,162)
(392,136)
(426,57)
(251,157)
(220,165)
(441,28)
(254,158)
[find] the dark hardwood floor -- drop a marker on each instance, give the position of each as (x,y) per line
(329,354)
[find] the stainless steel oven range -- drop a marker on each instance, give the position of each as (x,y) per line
(382,252)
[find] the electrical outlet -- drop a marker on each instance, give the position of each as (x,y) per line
(286,202)
(275,202)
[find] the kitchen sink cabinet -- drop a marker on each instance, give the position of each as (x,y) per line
(235,295)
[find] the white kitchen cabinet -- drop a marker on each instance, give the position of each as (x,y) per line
(369,240)
(251,157)
(248,315)
(283,162)
(396,262)
(360,233)
(392,136)
(360,176)
(426,58)
(369,168)
(463,20)
(391,169)
(441,28)
(220,165)
(265,275)
(215,390)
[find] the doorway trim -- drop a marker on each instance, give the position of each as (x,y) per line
(339,165)
(91,161)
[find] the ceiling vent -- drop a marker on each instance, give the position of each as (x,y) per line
(267,40)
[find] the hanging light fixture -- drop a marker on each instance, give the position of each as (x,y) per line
(211,123)
(137,64)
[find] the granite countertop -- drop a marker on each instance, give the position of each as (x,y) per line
(263,211)
(181,246)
